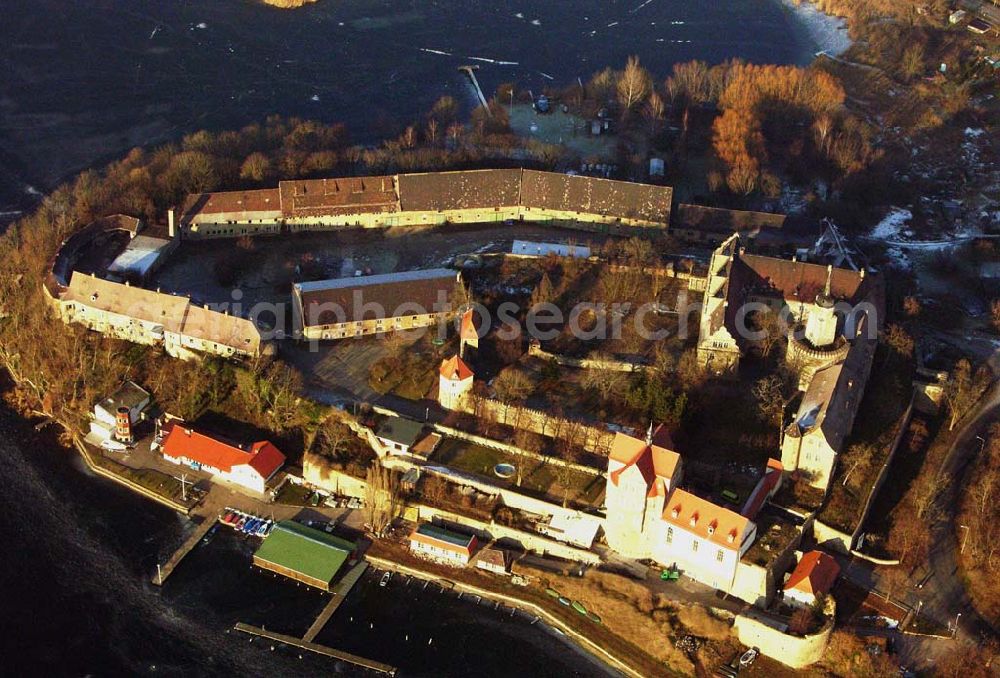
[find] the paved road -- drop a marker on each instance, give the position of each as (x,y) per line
(945,592)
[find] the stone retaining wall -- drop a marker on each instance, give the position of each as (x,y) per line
(758,629)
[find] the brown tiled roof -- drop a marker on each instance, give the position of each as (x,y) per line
(227,330)
(797,279)
(471,189)
(713,219)
(624,199)
(126,300)
(415,289)
(347,195)
(232,205)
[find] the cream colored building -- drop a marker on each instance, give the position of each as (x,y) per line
(650,516)
(354,307)
(228,214)
(429,198)
(155,318)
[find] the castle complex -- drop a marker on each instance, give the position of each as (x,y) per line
(830,343)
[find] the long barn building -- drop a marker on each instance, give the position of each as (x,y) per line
(468,196)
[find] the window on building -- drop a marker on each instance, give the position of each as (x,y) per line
(670,535)
(694,546)
(719,555)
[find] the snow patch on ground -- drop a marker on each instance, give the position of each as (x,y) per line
(828,33)
(893,223)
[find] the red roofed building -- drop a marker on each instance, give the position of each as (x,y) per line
(455,383)
(249,466)
(813,576)
(641,473)
(468,334)
(650,516)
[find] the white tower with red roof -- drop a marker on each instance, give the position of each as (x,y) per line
(454,383)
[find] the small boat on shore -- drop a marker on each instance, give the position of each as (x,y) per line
(553,593)
(593,617)
(578,606)
(563,600)
(208,535)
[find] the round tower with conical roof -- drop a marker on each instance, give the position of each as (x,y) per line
(816,344)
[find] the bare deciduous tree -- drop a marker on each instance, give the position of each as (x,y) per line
(634,84)
(382,501)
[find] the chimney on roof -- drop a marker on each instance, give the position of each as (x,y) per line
(861,273)
(731,538)
(674,512)
(187,431)
(711,528)
(694,519)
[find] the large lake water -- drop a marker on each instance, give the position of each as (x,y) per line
(81,81)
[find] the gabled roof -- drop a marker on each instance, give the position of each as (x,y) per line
(799,280)
(623,199)
(221,328)
(266,459)
(165,310)
(816,401)
(464,189)
(468,332)
(706,520)
(302,549)
(653,461)
(128,395)
(185,442)
(400,430)
(764,488)
(455,369)
(432,535)
(343,195)
(339,300)
(232,205)
(814,574)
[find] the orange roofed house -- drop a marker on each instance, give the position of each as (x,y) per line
(248,466)
(813,576)
(649,516)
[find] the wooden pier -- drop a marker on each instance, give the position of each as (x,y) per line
(471,72)
(318,649)
(339,593)
(165,570)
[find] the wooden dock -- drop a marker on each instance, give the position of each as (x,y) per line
(339,593)
(318,649)
(165,570)
(471,72)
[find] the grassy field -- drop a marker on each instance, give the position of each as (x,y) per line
(153,480)
(537,477)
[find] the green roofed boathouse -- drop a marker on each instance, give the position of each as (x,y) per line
(304,554)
